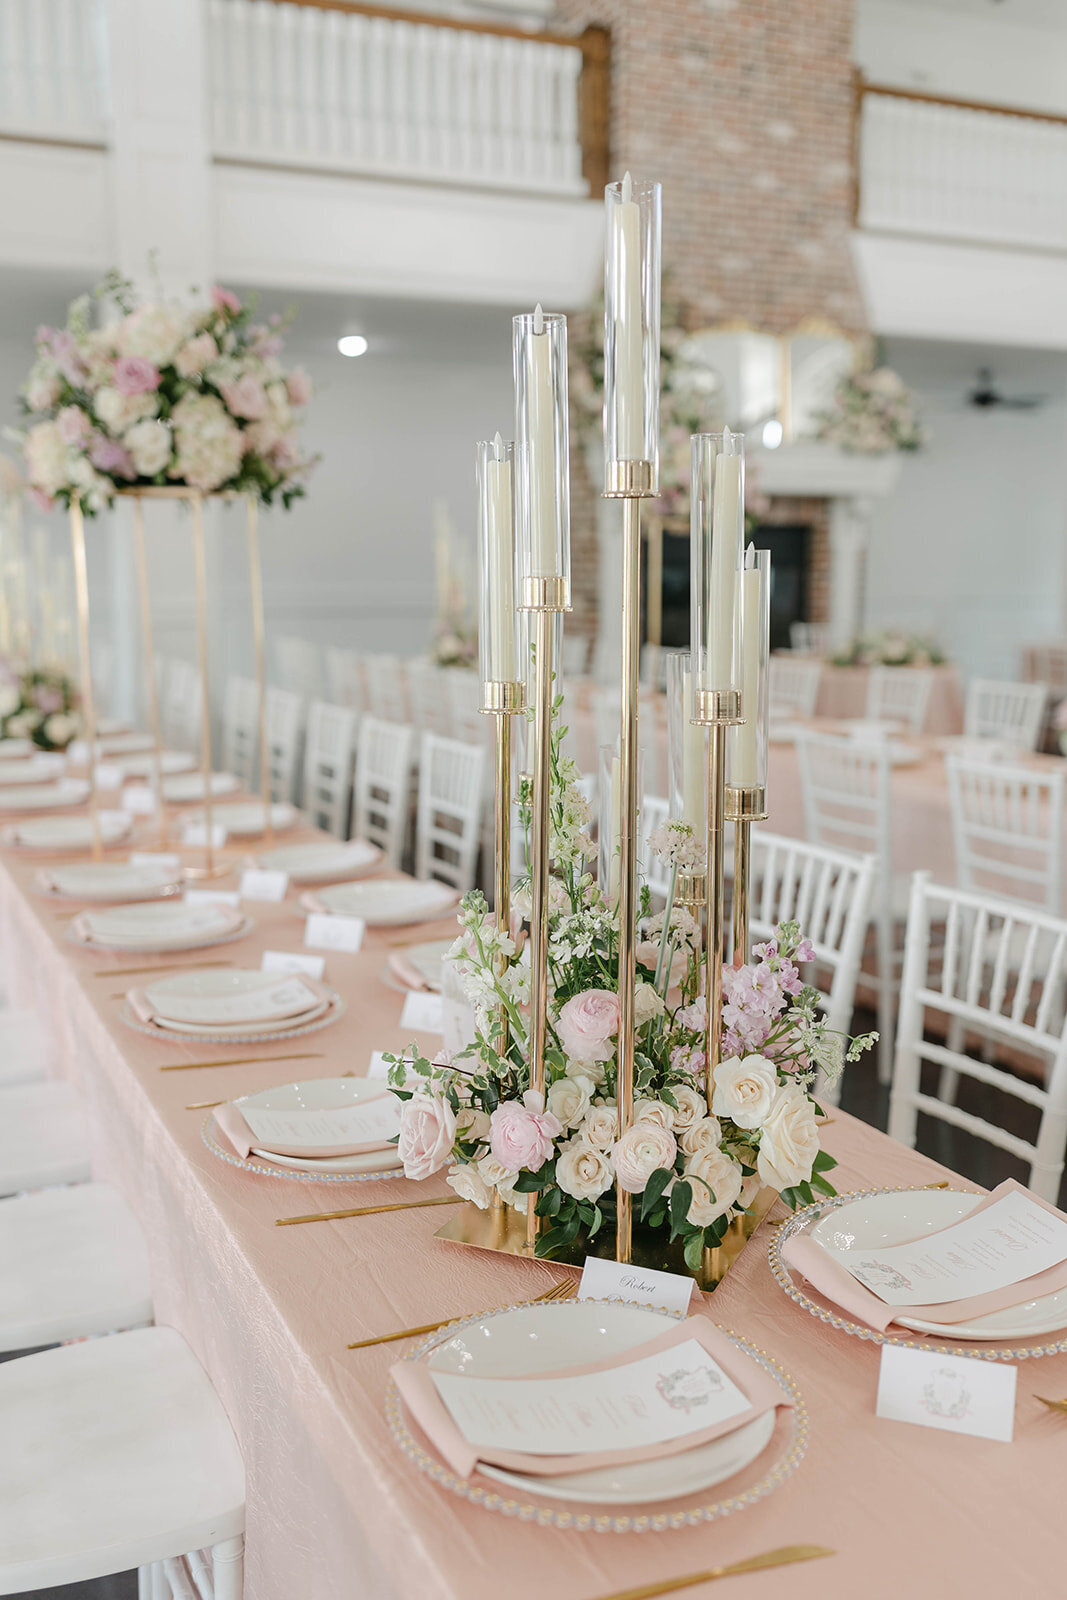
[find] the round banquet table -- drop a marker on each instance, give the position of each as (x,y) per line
(334,1511)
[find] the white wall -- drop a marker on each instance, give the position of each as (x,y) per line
(971,546)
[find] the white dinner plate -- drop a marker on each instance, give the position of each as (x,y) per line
(161,925)
(388,902)
(244,1030)
(45,765)
(322,863)
(884,1219)
(243,818)
(427,958)
(210,998)
(535,1339)
(45,796)
(111,880)
(328,1094)
(144,766)
(183,788)
(15,749)
(69,833)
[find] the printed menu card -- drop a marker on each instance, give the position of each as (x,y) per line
(341,1127)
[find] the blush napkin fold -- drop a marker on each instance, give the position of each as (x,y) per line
(416,1386)
(235,1130)
(145,1011)
(837,1285)
(402,968)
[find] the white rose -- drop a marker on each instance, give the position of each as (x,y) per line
(48,458)
(716,1179)
(789,1139)
(497,1176)
(583,1171)
(151,446)
(691,1107)
(60,728)
(703,1135)
(647,1003)
(10,699)
(469,1185)
(657,1111)
(745,1088)
(568,1099)
(472,1124)
(601,1126)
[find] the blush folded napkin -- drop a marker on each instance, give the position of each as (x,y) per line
(144,1010)
(409,976)
(837,1285)
(416,1386)
(234,1128)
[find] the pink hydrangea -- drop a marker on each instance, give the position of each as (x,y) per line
(135,375)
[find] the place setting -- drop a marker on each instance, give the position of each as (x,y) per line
(417,966)
(237,1006)
(62,834)
(105,881)
(383,902)
(187,788)
(244,819)
(159,925)
(323,1130)
(324,861)
(63,794)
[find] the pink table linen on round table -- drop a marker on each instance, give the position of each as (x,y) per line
(334,1511)
(843,693)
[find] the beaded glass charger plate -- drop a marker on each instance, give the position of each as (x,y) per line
(639,1497)
(384,902)
(158,927)
(329,1094)
(174,1035)
(109,881)
(882,1217)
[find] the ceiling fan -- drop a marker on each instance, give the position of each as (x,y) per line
(985,395)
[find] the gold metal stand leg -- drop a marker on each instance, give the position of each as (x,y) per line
(255,580)
(148,646)
(742,860)
(628,807)
(542,788)
(81,592)
(200,567)
(714,889)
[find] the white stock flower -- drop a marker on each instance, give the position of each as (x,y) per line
(745,1087)
(789,1139)
(569,1098)
(150,444)
(582,1170)
(715,1179)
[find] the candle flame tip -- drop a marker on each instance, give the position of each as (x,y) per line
(627,187)
(498,446)
(539,318)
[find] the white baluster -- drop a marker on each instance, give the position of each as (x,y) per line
(403,134)
(356,91)
(569,169)
(266,115)
(239,22)
(376,81)
(313,82)
(422,96)
(465,104)
(486,126)
(527,108)
(331,67)
(285,46)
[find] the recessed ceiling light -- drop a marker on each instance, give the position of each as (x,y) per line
(772,434)
(352,344)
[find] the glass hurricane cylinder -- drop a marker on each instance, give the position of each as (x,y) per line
(609,818)
(747,744)
(687,755)
(542,500)
(717,510)
(631,326)
(498,643)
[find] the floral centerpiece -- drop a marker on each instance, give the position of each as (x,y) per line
(38,703)
(890,648)
(872,413)
(692,1167)
(162,395)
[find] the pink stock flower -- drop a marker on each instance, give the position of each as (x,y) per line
(685,1058)
(521,1135)
(245,398)
(298,387)
(224,299)
(805,951)
(694,1016)
(107,455)
(586,1024)
(427,1134)
(135,375)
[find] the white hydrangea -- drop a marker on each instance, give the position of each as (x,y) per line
(209,444)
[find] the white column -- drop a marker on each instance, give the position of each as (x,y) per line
(850,531)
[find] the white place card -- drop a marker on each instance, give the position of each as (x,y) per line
(956,1393)
(367,1122)
(423,1013)
(257,883)
(109,775)
(137,799)
(610,1280)
(649,1401)
(195,835)
(78,753)
(211,897)
(1007,1242)
(326,932)
(293,961)
(155,858)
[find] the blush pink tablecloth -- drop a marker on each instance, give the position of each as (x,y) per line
(334,1512)
(843,693)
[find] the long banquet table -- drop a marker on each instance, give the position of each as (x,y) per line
(334,1511)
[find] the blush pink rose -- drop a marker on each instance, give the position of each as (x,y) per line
(586,1024)
(427,1134)
(640,1152)
(521,1135)
(134,375)
(298,387)
(245,398)
(224,299)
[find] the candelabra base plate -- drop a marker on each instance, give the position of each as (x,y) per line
(505,1232)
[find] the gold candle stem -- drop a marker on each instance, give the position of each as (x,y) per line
(742,872)
(148,644)
(255,579)
(81,592)
(502,877)
(540,832)
(200,568)
(714,891)
(628,806)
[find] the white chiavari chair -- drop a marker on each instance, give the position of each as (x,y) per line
(997,972)
(298,666)
(794,688)
(1007,828)
(899,694)
(1012,712)
(466,720)
(328,767)
(383,785)
(240,730)
(428,696)
(44,1139)
(845,784)
(810,638)
(386,681)
(828,892)
(574,656)
(285,720)
(25,1047)
(180,711)
(344,679)
(448,818)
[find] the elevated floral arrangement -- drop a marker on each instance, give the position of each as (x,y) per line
(162,395)
(890,648)
(872,413)
(693,1168)
(38,703)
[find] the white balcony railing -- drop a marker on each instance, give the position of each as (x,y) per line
(346,90)
(52,71)
(956,171)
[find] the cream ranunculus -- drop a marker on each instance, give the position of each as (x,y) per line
(470,1185)
(716,1180)
(647,1003)
(582,1170)
(745,1088)
(472,1124)
(150,444)
(789,1139)
(690,1108)
(601,1127)
(703,1135)
(640,1152)
(657,1111)
(568,1099)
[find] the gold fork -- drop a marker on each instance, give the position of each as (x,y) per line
(1053,1405)
(771,1558)
(362,1211)
(565,1290)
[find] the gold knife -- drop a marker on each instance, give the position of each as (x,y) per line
(241,1061)
(781,1557)
(366,1211)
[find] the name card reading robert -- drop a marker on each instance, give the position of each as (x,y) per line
(325,932)
(196,836)
(257,883)
(423,1013)
(614,1280)
(293,961)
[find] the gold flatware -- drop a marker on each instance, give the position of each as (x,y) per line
(366,1211)
(241,1061)
(565,1290)
(166,966)
(781,1557)
(936,1185)
(205,1105)
(1053,1405)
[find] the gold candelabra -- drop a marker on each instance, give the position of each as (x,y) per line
(744,806)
